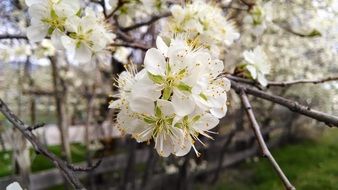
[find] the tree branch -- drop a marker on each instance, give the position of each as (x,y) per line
(132,45)
(147,22)
(67,172)
(294,106)
(7,36)
(302,81)
(266,153)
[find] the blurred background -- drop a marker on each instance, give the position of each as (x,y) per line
(41,85)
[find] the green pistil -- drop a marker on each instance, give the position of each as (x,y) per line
(55,22)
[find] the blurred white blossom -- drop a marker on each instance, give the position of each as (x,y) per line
(14,186)
(257,64)
(131,10)
(82,33)
(202,23)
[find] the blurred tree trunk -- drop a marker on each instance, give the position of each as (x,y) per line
(21,156)
(59,95)
(30,82)
(89,122)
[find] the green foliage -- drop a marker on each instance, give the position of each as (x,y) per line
(39,162)
(309,165)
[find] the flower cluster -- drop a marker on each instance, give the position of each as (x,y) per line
(259,18)
(175,98)
(202,23)
(20,52)
(81,33)
(257,64)
(132,9)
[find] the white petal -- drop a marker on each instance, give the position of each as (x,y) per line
(115,104)
(162,46)
(39,11)
(166,107)
(72,23)
(177,12)
(31,2)
(144,87)
(216,67)
(164,144)
(154,62)
(14,186)
(219,112)
(252,70)
(249,56)
(185,147)
(183,104)
(83,54)
(56,39)
(69,44)
(262,80)
(67,8)
(141,131)
(36,33)
(206,122)
(142,105)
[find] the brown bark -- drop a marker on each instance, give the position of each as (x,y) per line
(59,95)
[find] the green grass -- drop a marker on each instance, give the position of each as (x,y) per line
(5,163)
(310,165)
(39,162)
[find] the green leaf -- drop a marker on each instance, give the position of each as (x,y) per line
(53,14)
(203,96)
(158,112)
(185,119)
(183,71)
(50,30)
(314,33)
(167,69)
(196,118)
(169,120)
(78,13)
(149,120)
(166,93)
(184,87)
(158,79)
(178,125)
(78,44)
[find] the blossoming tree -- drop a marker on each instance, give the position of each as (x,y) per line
(177,77)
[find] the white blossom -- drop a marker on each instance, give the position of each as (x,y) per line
(202,23)
(14,186)
(44,49)
(176,97)
(259,18)
(131,10)
(257,64)
(87,36)
(48,17)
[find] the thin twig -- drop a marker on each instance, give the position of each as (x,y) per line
(120,3)
(34,127)
(132,45)
(302,81)
(266,153)
(62,165)
(8,36)
(235,8)
(85,169)
(294,106)
(147,22)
